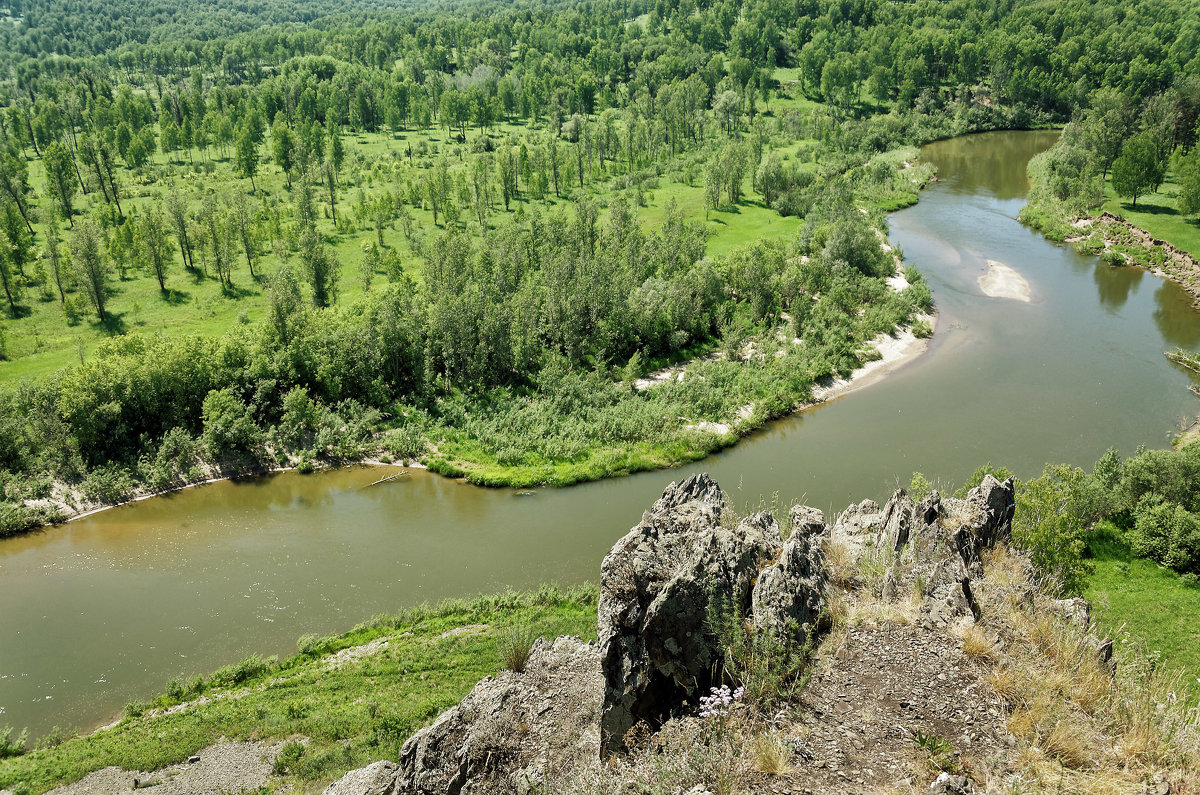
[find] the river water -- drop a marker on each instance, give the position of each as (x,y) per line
(108,608)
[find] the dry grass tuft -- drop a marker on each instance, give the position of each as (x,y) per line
(1069,743)
(837,605)
(770,754)
(978,646)
(1009,685)
(840,563)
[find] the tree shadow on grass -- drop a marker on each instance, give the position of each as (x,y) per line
(15,312)
(113,324)
(236,292)
(175,297)
(1151,209)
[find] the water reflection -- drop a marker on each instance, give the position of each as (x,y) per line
(996,170)
(1114,285)
(1175,317)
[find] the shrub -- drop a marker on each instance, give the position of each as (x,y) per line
(176,454)
(1048,526)
(239,672)
(300,415)
(108,484)
(1167,533)
(285,761)
(10,745)
(919,487)
(768,667)
(228,427)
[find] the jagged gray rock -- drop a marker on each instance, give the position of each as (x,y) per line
(511,731)
(789,596)
(946,784)
(895,525)
(656,645)
(1076,611)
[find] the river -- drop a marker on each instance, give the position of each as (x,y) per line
(108,608)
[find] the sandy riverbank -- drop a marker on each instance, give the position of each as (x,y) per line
(895,352)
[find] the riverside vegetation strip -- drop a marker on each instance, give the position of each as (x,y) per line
(490,187)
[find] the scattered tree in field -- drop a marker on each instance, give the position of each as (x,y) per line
(154,245)
(17,237)
(243,228)
(61,178)
(247,157)
(331,185)
(54,257)
(320,266)
(177,209)
(283,149)
(1188,175)
(8,280)
(213,222)
(14,184)
(769,178)
(286,304)
(91,265)
(1138,169)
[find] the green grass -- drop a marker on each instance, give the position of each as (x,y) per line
(1159,215)
(1147,601)
(354,714)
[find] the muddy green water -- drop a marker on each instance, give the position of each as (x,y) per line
(108,608)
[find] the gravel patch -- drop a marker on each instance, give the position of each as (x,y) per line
(223,767)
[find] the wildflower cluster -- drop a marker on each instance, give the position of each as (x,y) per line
(719,701)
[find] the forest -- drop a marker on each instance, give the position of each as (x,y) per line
(460,232)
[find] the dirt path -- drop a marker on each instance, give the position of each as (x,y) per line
(864,709)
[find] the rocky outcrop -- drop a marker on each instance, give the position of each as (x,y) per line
(657,585)
(789,596)
(505,736)
(685,563)
(931,548)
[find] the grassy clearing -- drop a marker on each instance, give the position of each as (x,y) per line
(1159,215)
(1147,601)
(356,711)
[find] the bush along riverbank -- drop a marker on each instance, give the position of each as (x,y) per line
(942,620)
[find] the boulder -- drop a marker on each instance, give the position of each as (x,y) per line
(657,647)
(374,779)
(510,732)
(855,526)
(1076,611)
